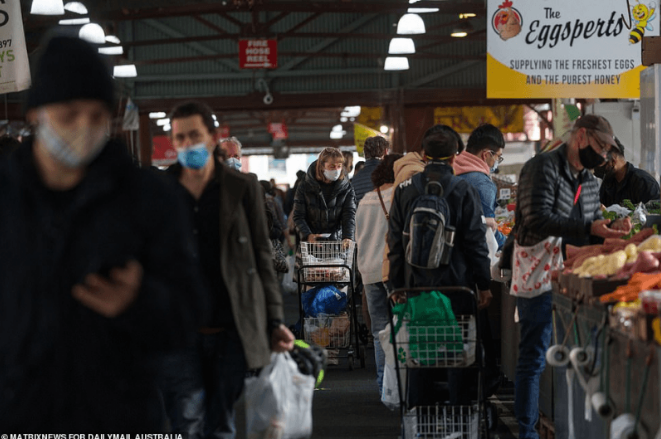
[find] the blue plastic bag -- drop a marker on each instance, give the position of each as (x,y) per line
(325,299)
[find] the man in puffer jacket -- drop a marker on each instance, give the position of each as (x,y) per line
(558,197)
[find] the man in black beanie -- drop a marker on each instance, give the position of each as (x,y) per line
(96,270)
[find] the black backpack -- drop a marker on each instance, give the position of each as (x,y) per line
(428,236)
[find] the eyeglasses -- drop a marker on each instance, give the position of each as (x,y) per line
(605,150)
(499,159)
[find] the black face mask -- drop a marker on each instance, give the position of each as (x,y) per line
(589,158)
(604,171)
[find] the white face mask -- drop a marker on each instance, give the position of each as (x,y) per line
(234,163)
(332,175)
(72,148)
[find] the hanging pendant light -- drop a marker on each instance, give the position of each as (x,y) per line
(410,24)
(76,7)
(74,21)
(401,46)
(396,63)
(125,71)
(462,29)
(47,7)
(420,10)
(112,50)
(92,33)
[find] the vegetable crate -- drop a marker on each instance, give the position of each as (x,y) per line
(442,422)
(328,331)
(443,345)
(326,255)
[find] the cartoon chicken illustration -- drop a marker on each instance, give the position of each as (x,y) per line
(507,22)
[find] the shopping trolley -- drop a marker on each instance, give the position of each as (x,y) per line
(331,263)
(453,345)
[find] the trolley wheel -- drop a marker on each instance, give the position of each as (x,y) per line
(361,355)
(350,358)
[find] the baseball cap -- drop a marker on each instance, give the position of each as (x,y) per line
(599,126)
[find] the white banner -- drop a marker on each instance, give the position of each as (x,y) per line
(14,63)
(567,48)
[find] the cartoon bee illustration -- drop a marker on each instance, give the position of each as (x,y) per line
(642,15)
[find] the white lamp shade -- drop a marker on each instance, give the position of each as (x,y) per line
(157,115)
(420,10)
(396,63)
(76,7)
(125,71)
(163,122)
(112,39)
(401,46)
(92,33)
(410,24)
(47,7)
(336,135)
(114,50)
(74,21)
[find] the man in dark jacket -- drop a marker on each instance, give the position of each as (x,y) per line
(202,383)
(557,197)
(97,268)
(375,148)
(623,181)
(469,261)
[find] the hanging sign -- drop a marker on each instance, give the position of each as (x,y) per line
(360,134)
(164,153)
(508,118)
(567,48)
(278,131)
(224,131)
(258,54)
(14,63)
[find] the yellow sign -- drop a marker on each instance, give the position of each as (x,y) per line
(370,117)
(567,48)
(507,118)
(360,134)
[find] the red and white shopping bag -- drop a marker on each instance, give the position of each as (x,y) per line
(532,267)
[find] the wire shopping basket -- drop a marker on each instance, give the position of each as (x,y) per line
(328,331)
(442,422)
(327,261)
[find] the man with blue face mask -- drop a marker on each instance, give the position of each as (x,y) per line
(202,383)
(97,271)
(232,148)
(484,152)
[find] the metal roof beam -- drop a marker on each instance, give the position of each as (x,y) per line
(209,24)
(382,7)
(249,75)
(422,55)
(326,43)
(198,47)
(437,39)
(445,72)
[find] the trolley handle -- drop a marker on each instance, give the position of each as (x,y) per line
(401,295)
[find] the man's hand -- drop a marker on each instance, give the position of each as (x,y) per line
(110,297)
(622,224)
(491,223)
(312,238)
(484,298)
(600,228)
(282,339)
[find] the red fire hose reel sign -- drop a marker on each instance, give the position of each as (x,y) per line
(258,54)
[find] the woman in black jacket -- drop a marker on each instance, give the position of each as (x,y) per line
(325,201)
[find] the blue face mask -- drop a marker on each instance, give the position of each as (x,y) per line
(234,163)
(194,157)
(495,167)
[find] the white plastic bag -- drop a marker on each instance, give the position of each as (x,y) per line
(288,281)
(390,393)
(279,401)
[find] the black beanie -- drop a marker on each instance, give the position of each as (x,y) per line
(69,68)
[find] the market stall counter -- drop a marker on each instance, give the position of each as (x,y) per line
(605,351)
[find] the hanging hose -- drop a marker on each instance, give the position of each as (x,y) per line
(639,407)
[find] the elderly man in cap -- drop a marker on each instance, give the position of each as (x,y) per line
(557,204)
(623,181)
(97,269)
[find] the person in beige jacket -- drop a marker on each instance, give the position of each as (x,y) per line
(406,167)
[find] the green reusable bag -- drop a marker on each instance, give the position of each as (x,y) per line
(433,332)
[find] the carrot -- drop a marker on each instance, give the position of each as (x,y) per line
(638,282)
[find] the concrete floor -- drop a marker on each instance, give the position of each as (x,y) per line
(348,405)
